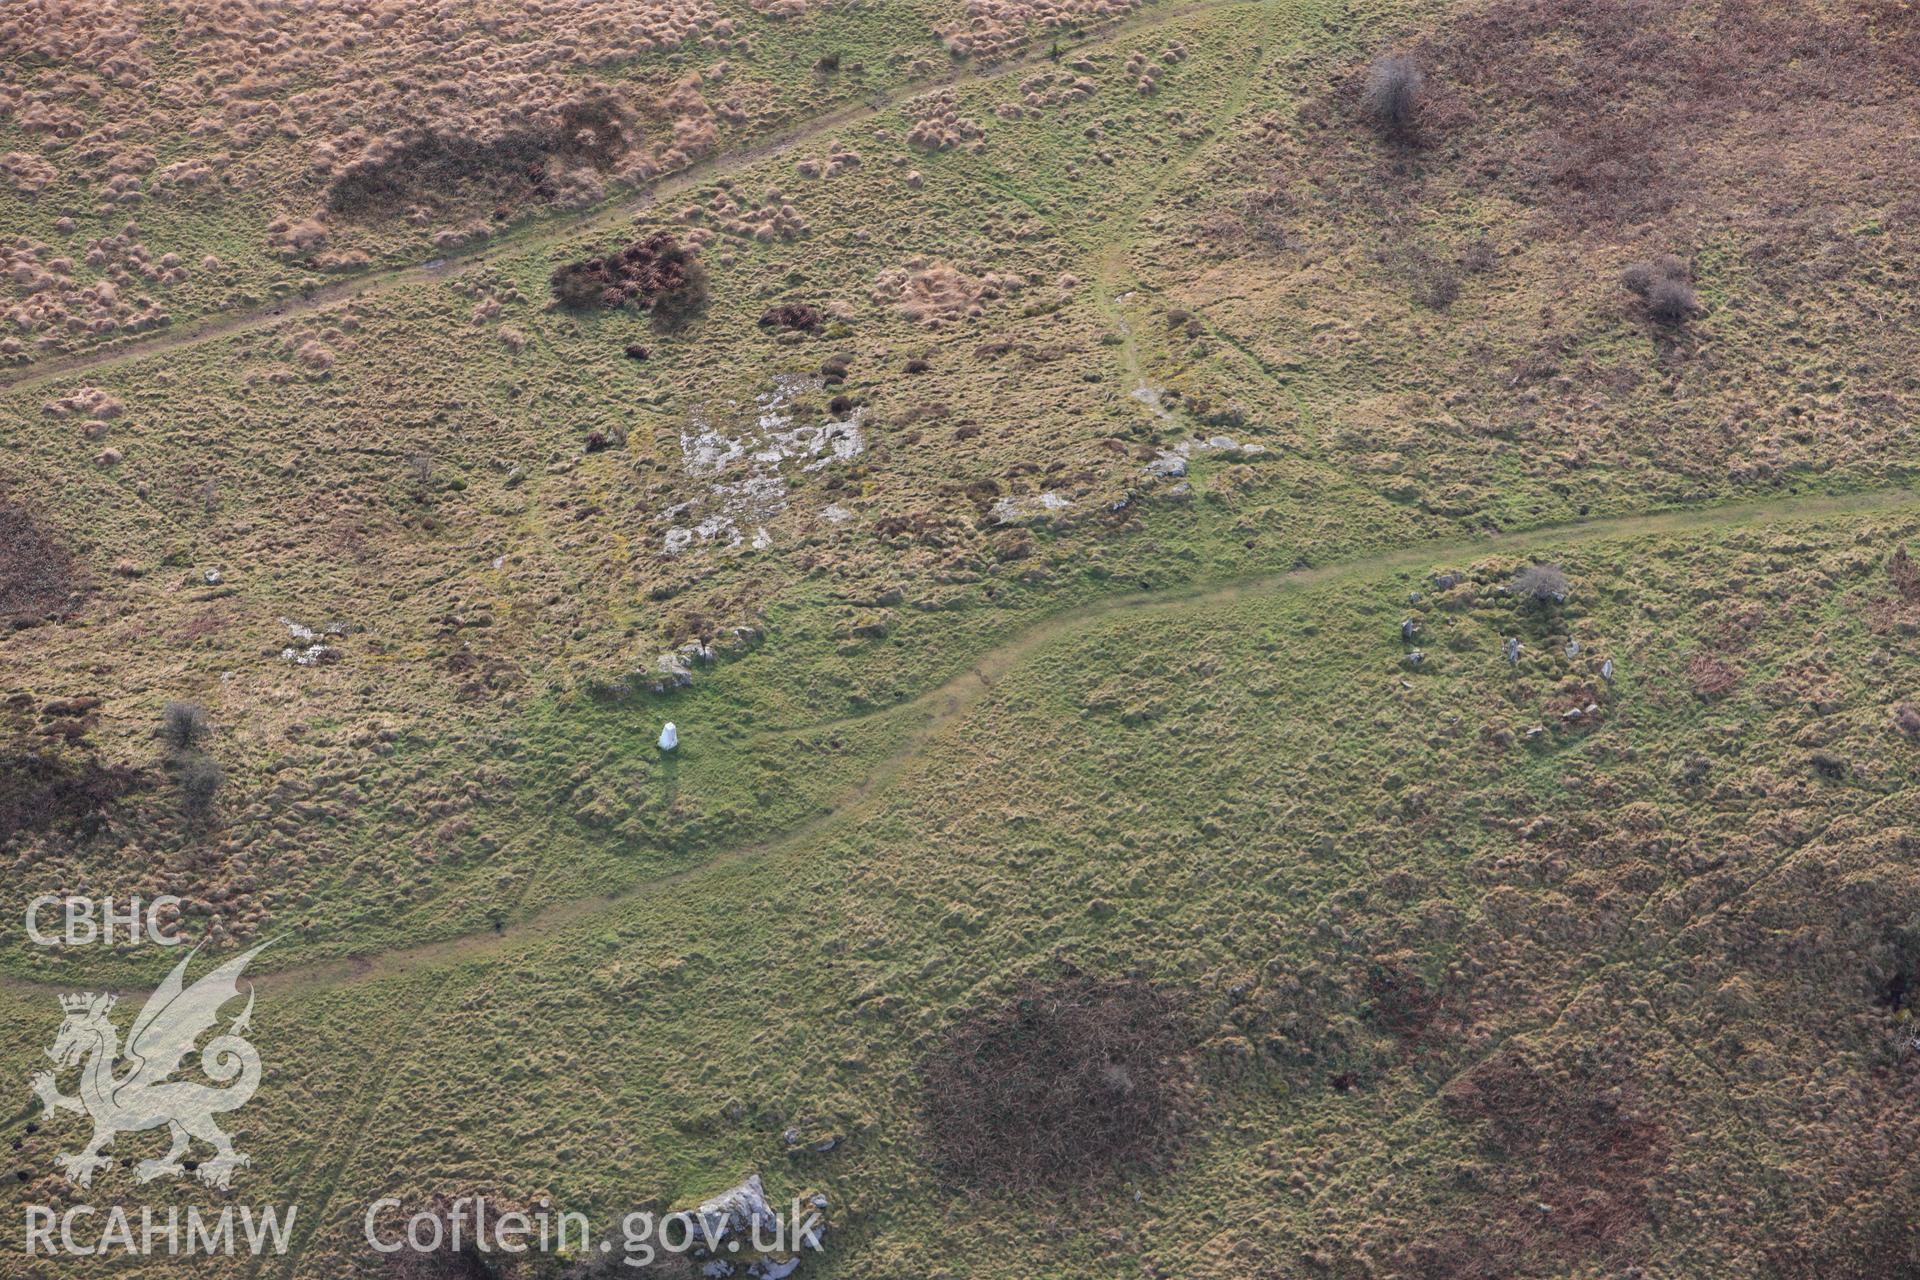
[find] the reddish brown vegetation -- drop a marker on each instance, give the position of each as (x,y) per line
(37,573)
(793,316)
(1709,676)
(1061,1086)
(592,130)
(657,274)
(1399,1001)
(56,785)
(1581,1155)
(1632,109)
(1906,578)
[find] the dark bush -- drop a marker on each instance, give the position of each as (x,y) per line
(1671,301)
(1479,257)
(1663,283)
(1541,583)
(1439,289)
(637,352)
(678,306)
(1059,1087)
(1904,575)
(657,274)
(1392,92)
(919,364)
(184,724)
(470,1259)
(580,286)
(796,317)
(200,781)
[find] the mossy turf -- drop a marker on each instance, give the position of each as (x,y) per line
(1250,799)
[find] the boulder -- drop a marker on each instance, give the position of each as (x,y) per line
(670,673)
(733,1213)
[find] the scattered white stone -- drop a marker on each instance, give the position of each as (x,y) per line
(669,737)
(1011,510)
(1171,462)
(740,503)
(308,649)
(834,513)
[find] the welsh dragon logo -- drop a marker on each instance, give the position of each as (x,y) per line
(135,1091)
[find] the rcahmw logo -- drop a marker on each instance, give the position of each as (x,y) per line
(146,1233)
(143,1094)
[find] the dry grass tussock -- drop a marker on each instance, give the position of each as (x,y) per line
(936,294)
(995,28)
(342,107)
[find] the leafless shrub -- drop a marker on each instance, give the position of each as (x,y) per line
(1479,256)
(799,317)
(1663,284)
(184,724)
(1904,575)
(200,780)
(1671,301)
(1541,583)
(1058,1087)
(1710,676)
(1392,93)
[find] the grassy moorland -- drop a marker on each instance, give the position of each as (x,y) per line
(1078,510)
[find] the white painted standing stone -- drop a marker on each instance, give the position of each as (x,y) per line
(669,737)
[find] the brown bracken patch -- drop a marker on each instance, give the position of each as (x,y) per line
(656,274)
(1059,1086)
(795,317)
(37,572)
